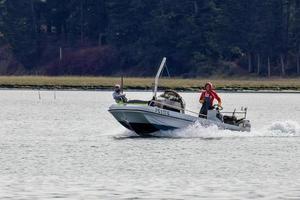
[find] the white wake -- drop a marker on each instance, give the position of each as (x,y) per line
(276,129)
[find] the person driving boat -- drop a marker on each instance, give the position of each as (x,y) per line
(207,98)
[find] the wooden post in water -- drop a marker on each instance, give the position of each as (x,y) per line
(39,94)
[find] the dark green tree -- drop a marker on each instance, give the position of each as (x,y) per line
(19,27)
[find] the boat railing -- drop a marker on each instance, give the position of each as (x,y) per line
(183,110)
(242,112)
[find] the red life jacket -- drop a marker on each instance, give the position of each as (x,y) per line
(212,95)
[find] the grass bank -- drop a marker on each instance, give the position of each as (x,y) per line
(85,83)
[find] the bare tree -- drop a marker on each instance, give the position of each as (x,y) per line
(282,65)
(196,9)
(298,63)
(258,64)
(269,67)
(249,63)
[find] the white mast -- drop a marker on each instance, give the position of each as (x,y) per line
(158,75)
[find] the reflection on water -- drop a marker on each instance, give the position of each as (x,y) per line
(71,148)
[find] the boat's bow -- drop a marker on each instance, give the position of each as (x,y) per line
(144,119)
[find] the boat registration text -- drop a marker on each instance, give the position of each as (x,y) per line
(162,112)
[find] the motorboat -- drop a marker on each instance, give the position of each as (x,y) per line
(168,112)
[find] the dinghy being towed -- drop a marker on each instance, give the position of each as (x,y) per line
(168,112)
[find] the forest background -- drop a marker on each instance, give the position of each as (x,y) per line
(129,37)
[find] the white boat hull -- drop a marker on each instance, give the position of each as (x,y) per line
(145,120)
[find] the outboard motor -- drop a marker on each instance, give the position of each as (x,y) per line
(230,119)
(245,124)
(241,122)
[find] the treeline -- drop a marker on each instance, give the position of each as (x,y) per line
(110,37)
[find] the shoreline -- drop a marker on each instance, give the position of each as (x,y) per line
(107,89)
(237,85)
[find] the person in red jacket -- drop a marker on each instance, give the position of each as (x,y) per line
(207,98)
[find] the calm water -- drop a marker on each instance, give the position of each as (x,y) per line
(71,148)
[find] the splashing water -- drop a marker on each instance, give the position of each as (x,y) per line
(287,128)
(196,131)
(126,135)
(276,129)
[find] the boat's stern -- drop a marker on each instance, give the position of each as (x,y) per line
(245,125)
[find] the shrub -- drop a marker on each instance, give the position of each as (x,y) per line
(86,61)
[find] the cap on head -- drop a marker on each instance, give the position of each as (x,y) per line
(117,88)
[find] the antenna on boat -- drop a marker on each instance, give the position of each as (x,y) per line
(162,64)
(122,84)
(167,70)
